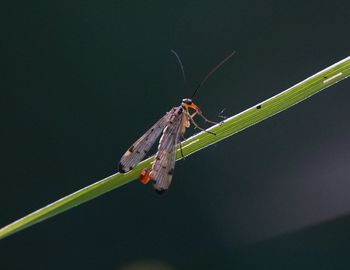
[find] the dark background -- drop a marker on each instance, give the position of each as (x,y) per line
(81,80)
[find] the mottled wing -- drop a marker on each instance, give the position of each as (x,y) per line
(164,163)
(139,149)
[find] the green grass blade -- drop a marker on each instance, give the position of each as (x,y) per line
(232,125)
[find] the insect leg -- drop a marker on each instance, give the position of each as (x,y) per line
(206,119)
(202,129)
(199,112)
(182,153)
(183,138)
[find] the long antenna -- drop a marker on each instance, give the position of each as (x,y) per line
(181,66)
(212,72)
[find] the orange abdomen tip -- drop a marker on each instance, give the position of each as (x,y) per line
(144,176)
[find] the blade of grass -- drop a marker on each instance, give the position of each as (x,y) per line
(230,126)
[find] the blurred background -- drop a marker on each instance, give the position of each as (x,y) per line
(82,80)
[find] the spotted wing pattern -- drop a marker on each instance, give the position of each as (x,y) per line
(139,149)
(164,163)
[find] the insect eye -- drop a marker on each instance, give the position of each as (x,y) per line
(187,101)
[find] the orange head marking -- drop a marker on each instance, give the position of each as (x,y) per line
(187,103)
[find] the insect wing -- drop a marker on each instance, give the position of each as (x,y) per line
(164,163)
(139,149)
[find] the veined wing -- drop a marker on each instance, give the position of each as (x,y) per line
(164,163)
(139,149)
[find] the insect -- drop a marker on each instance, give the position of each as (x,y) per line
(172,126)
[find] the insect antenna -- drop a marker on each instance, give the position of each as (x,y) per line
(181,66)
(211,72)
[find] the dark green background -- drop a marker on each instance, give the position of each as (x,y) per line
(81,80)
